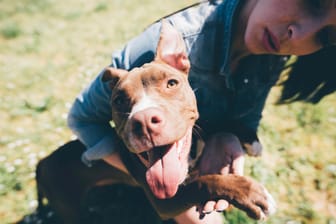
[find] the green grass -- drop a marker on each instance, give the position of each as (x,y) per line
(50,50)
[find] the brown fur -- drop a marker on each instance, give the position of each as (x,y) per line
(64,180)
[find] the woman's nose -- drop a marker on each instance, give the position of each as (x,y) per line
(304,36)
(304,31)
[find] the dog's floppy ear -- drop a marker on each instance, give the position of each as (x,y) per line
(112,75)
(171,48)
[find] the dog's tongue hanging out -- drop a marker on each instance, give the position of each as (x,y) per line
(166,170)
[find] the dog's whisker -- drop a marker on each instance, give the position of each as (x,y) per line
(197,130)
(119,127)
(123,113)
(197,127)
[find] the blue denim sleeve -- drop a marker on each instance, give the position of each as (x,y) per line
(90,115)
(253,118)
(264,74)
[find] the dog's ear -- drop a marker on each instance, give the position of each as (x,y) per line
(171,48)
(112,75)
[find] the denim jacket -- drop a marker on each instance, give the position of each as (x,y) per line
(222,97)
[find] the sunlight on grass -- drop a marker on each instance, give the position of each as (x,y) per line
(50,50)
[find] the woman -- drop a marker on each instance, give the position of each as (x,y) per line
(237,50)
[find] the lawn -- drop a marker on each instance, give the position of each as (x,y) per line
(50,50)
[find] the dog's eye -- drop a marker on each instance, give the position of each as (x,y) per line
(119,100)
(172,83)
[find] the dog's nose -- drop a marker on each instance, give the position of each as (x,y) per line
(148,122)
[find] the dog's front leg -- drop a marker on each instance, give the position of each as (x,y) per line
(242,192)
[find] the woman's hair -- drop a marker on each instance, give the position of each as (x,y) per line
(310,77)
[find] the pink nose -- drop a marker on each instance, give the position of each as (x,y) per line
(148,122)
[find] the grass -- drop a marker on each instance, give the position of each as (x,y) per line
(50,50)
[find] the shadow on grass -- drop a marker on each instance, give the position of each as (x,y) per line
(104,205)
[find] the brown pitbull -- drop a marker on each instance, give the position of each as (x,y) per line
(154,111)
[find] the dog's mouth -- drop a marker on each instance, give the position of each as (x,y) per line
(167,166)
(150,156)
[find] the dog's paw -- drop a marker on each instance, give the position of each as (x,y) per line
(242,192)
(262,203)
(272,207)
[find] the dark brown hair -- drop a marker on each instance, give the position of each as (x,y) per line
(310,77)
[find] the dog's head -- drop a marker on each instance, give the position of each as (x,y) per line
(154,110)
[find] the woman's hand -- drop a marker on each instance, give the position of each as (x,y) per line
(222,154)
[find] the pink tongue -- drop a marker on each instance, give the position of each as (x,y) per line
(163,177)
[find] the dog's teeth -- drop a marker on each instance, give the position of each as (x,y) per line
(179,148)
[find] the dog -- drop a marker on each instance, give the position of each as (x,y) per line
(154,111)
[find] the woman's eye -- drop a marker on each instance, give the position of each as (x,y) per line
(172,83)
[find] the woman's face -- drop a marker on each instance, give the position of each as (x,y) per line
(290,27)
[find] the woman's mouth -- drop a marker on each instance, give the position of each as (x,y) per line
(270,41)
